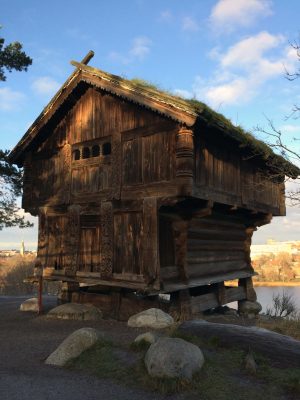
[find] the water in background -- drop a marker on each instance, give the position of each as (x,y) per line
(265,295)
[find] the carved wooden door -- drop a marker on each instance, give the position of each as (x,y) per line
(56,247)
(89,247)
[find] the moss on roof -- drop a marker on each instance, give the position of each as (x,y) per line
(198,110)
(217,121)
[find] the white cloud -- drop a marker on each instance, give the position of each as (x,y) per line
(248,51)
(290,128)
(45,85)
(189,24)
(237,90)
(244,68)
(165,16)
(10,100)
(140,48)
(227,15)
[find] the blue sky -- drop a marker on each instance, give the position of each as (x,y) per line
(230,54)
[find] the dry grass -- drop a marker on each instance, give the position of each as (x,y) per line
(12,274)
(285,326)
(223,376)
(14,270)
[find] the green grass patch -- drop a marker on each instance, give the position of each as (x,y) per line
(101,361)
(223,376)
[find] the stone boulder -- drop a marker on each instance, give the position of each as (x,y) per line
(173,358)
(30,305)
(73,346)
(148,337)
(249,309)
(86,312)
(153,318)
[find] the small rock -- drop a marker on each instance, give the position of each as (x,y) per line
(149,337)
(152,318)
(173,358)
(86,312)
(249,308)
(30,305)
(73,346)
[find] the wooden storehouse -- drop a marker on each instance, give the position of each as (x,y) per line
(141,193)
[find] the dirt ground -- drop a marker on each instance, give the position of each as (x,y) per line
(27,339)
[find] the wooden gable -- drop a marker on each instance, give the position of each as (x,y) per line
(102,143)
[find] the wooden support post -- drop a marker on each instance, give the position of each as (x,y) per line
(40,295)
(116,298)
(150,241)
(221,293)
(42,237)
(66,292)
(116,161)
(107,231)
(73,238)
(247,284)
(180,230)
(180,306)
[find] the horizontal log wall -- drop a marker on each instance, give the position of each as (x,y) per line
(215,246)
(210,300)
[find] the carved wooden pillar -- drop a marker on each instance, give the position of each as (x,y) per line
(73,241)
(150,240)
(65,186)
(185,159)
(116,164)
(180,231)
(42,238)
(107,226)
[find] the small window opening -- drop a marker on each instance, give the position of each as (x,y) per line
(95,150)
(76,154)
(86,152)
(106,149)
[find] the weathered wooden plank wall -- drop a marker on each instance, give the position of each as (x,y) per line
(224,174)
(141,151)
(97,180)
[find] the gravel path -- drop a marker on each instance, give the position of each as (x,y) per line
(27,339)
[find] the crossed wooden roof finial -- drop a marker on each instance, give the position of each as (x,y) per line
(88,57)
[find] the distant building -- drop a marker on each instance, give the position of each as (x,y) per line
(273,247)
(22,249)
